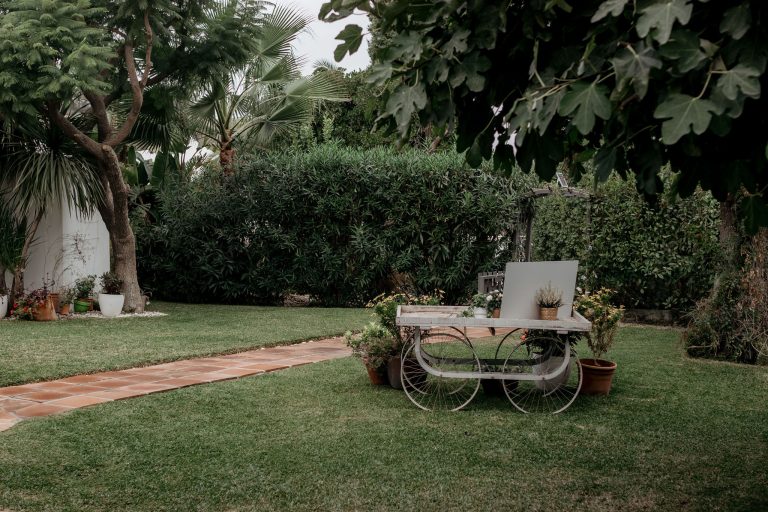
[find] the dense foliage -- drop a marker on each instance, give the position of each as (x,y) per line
(634,84)
(335,223)
(654,256)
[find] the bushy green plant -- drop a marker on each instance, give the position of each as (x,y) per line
(68,294)
(375,345)
(651,254)
(332,222)
(385,307)
(605,317)
(111,284)
(84,286)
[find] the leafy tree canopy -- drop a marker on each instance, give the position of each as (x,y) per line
(630,84)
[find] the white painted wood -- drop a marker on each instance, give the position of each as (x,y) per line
(523,279)
(450,316)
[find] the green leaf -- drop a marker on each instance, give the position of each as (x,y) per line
(736,21)
(587,100)
(612,7)
(755,213)
(380,73)
(605,161)
(685,47)
(660,17)
(352,35)
(740,78)
(404,102)
(633,67)
(683,113)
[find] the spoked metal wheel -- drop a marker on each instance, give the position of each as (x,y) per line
(439,377)
(550,395)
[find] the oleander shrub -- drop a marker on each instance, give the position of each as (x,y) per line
(655,256)
(332,222)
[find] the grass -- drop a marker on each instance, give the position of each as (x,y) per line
(32,351)
(675,434)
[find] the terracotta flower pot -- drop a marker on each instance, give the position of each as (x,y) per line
(56,301)
(597,376)
(496,313)
(377,376)
(45,312)
(64,310)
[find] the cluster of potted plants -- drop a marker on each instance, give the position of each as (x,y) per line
(43,305)
(380,344)
(485,305)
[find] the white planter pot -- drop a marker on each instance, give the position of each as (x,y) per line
(3,305)
(549,366)
(111,305)
(481,313)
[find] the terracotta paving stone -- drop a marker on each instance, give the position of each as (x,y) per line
(116,383)
(81,401)
(45,398)
(17,390)
(117,394)
(41,410)
(78,379)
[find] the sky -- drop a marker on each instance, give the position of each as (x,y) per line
(320,42)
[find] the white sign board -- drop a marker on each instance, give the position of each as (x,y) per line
(523,279)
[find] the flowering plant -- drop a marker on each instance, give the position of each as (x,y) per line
(24,306)
(385,307)
(375,345)
(489,301)
(605,317)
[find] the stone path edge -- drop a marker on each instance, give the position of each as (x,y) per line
(37,399)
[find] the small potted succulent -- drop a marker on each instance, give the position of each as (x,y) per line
(605,318)
(83,290)
(374,346)
(549,299)
(111,299)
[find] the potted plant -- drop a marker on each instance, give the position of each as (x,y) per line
(549,300)
(385,307)
(83,290)
(3,295)
(36,305)
(110,299)
(597,308)
(493,301)
(67,297)
(374,346)
(479,305)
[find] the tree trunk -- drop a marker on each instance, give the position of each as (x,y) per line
(115,213)
(17,288)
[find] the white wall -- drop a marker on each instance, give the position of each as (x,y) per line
(67,246)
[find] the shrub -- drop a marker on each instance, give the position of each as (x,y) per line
(375,345)
(653,255)
(605,318)
(335,223)
(111,284)
(84,286)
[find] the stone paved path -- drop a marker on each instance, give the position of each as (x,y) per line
(18,403)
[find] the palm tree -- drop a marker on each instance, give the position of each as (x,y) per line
(41,167)
(252,105)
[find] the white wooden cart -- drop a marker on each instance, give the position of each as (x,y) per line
(441,368)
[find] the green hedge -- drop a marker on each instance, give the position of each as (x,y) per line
(334,223)
(658,256)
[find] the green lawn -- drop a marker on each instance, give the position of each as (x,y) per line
(31,351)
(675,434)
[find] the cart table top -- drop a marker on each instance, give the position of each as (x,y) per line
(450,316)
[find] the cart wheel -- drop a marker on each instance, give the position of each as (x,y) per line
(443,352)
(550,396)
